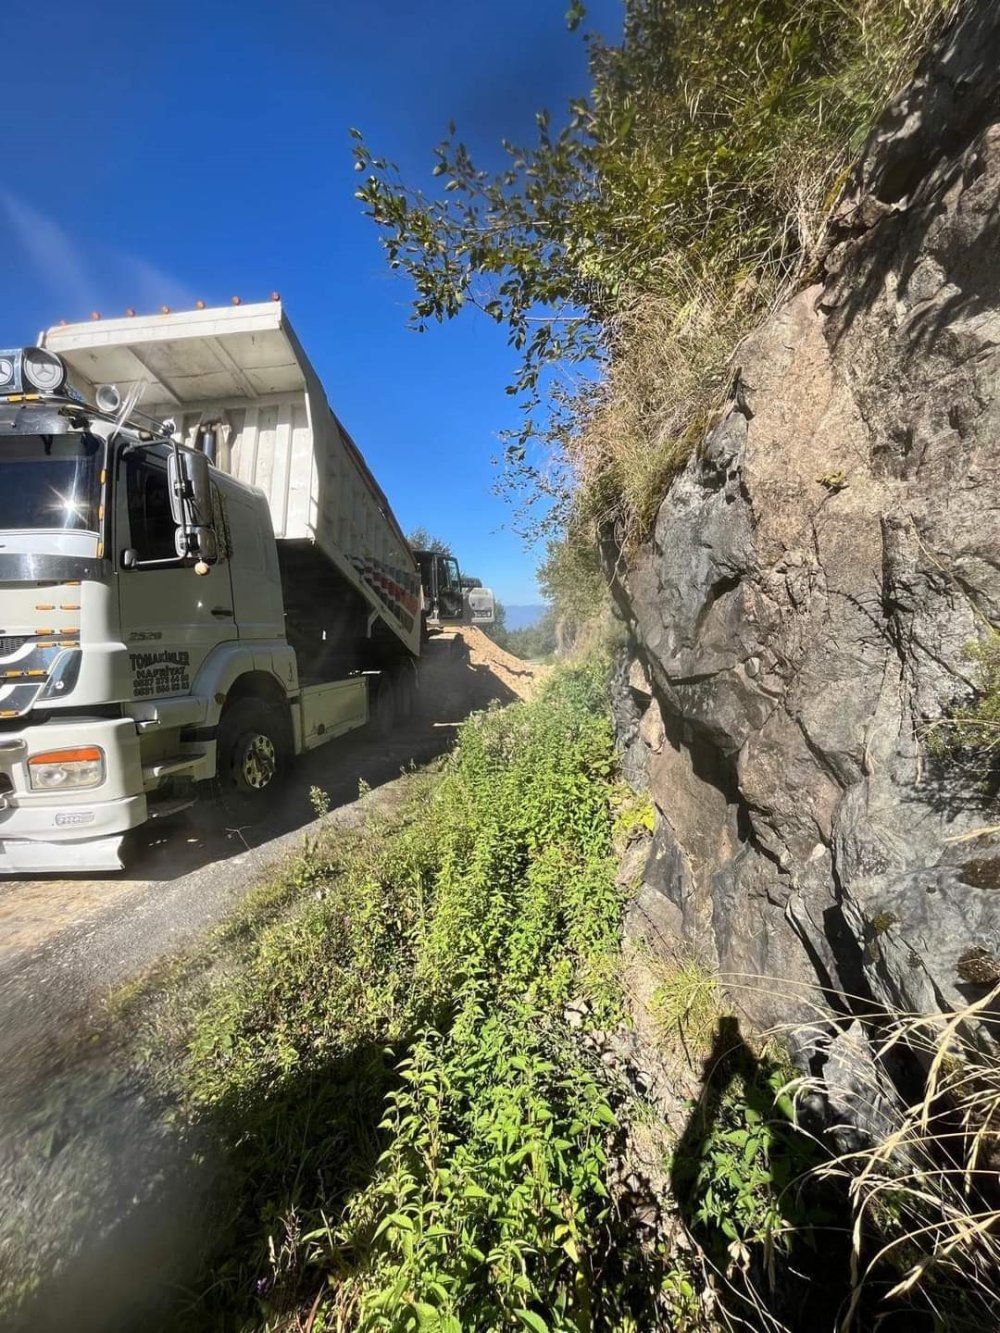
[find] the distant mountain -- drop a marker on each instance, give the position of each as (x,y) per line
(523,617)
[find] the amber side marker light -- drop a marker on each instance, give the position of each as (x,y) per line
(81,766)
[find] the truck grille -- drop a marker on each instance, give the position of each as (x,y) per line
(10,643)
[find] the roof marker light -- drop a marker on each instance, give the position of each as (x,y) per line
(199,305)
(95,314)
(237,300)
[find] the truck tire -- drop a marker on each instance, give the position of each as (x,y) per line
(386,704)
(251,755)
(396,699)
(406,693)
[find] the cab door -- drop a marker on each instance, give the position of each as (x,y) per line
(171,617)
(449,588)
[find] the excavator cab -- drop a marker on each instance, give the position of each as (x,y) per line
(447,599)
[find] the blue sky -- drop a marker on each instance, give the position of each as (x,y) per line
(162,152)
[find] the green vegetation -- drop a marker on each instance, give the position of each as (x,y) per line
(651,231)
(739,1172)
(413,1135)
(972,731)
(531,642)
(573,584)
(422,540)
(572,581)
(535,642)
(420,1144)
(399,1053)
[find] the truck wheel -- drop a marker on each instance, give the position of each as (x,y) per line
(406,693)
(386,704)
(396,698)
(251,750)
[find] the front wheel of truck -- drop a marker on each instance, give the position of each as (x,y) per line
(251,753)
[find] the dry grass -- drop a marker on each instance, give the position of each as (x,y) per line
(673,343)
(924,1190)
(929,1191)
(685,1007)
(667,374)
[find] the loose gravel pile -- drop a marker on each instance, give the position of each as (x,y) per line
(521,677)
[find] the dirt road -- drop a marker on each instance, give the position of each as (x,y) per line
(65,942)
(73,1129)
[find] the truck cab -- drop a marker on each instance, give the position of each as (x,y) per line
(117,635)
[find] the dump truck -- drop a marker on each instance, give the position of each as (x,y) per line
(199,579)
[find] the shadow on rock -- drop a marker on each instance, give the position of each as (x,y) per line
(779,1242)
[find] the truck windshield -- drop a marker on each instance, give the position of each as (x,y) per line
(50,482)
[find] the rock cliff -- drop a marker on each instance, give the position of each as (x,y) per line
(801,614)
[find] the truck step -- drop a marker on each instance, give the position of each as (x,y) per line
(160,809)
(169,765)
(153,714)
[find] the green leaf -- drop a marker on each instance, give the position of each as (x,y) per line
(533,1321)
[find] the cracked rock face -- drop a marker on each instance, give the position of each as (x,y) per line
(802,612)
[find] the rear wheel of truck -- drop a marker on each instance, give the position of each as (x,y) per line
(251,753)
(386,704)
(406,693)
(396,698)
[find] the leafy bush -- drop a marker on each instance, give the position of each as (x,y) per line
(416,1137)
(739,1169)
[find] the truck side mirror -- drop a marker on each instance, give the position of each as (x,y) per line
(190,488)
(197,543)
(191,505)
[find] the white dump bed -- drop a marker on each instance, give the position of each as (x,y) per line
(243,368)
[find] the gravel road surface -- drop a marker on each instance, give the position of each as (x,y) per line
(77,1146)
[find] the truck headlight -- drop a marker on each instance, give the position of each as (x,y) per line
(82,766)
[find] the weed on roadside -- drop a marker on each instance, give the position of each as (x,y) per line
(411,1138)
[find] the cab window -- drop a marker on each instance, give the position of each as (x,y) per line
(151,524)
(450,581)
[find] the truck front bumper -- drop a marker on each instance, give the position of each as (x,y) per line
(69,830)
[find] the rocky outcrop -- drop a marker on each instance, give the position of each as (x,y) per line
(801,615)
